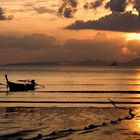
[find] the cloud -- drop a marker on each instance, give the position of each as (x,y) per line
(68,8)
(113,5)
(40,47)
(95,49)
(93,5)
(123,22)
(98,48)
(119,20)
(42,10)
(3,16)
(68,13)
(133,48)
(116,5)
(136,5)
(133,45)
(29,42)
(28,48)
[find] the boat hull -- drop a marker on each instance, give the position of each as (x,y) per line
(20,87)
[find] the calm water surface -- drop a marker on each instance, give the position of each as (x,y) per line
(25,114)
(73,79)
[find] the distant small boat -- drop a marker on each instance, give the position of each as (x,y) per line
(20,86)
(114,64)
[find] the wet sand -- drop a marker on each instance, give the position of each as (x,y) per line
(71,123)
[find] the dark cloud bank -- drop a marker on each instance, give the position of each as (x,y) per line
(68,8)
(39,47)
(29,42)
(3,16)
(118,20)
(124,22)
(93,5)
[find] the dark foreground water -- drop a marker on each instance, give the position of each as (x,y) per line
(73,97)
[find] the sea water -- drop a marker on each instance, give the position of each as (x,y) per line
(68,84)
(69,100)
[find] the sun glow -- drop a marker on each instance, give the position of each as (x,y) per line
(133,36)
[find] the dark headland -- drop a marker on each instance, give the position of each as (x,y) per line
(134,62)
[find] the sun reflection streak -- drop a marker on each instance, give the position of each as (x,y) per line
(133,36)
(134,125)
(138,83)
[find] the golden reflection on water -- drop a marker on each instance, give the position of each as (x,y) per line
(134,125)
(138,82)
(135,82)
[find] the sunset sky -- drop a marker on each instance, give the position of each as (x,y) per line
(49,30)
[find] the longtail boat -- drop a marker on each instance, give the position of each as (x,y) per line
(20,86)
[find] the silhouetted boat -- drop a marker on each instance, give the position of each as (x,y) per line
(114,64)
(20,86)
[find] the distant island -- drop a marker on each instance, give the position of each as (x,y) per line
(134,62)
